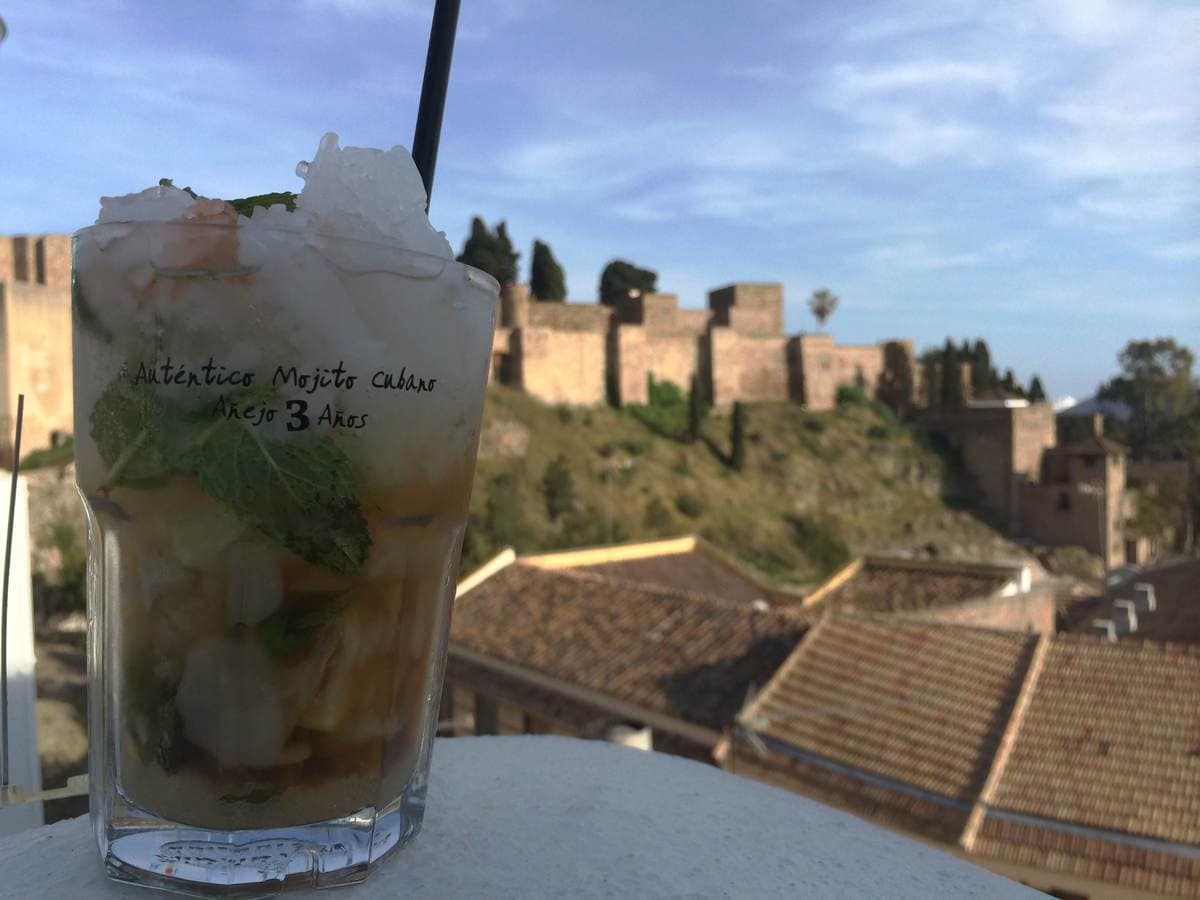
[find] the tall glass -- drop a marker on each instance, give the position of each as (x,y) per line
(275,441)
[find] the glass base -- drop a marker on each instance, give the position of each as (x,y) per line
(146,850)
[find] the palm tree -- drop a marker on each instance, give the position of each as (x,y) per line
(822,303)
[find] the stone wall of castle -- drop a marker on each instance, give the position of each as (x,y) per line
(35,343)
(748,368)
(735,349)
(43,259)
(1001,446)
(638,354)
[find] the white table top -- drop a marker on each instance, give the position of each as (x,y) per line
(556,817)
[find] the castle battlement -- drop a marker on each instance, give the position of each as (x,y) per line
(736,349)
(35,339)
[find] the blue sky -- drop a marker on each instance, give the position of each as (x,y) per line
(1027,171)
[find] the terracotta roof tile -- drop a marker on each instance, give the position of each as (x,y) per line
(685,655)
(938,821)
(920,704)
(1111,740)
(567,715)
(886,586)
(1141,868)
(692,571)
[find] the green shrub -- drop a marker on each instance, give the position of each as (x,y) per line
(821,542)
(558,487)
(879,432)
(690,505)
(505,519)
(634,446)
(60,454)
(665,394)
(816,426)
(658,517)
(565,415)
(852,396)
(591,527)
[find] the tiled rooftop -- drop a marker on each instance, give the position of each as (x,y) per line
(691,571)
(685,655)
(882,585)
(1177,617)
(924,705)
(1111,741)
(1141,868)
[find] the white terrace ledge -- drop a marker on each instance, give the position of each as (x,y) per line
(557,817)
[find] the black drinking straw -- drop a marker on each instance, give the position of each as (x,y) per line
(433,91)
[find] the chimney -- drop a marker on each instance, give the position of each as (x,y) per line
(1125,616)
(1143,597)
(1105,628)
(1096,425)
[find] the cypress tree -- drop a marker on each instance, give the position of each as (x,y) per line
(737,437)
(695,410)
(546,279)
(1037,393)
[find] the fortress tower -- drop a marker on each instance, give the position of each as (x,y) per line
(35,339)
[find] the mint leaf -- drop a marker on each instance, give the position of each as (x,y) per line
(129,427)
(245,206)
(300,494)
(291,627)
(167,182)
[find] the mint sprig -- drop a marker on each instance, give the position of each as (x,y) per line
(291,628)
(300,493)
(245,206)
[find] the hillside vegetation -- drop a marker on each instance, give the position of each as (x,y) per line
(814,489)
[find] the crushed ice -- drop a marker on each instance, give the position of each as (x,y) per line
(351,192)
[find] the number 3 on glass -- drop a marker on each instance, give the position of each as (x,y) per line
(299,420)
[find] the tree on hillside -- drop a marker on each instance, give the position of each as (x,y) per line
(1157,385)
(695,410)
(506,256)
(951,386)
(737,437)
(490,251)
(823,303)
(983,376)
(1037,394)
(620,279)
(1008,384)
(546,279)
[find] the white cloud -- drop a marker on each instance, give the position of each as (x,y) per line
(1128,124)
(853,83)
(1093,22)
(918,256)
(906,138)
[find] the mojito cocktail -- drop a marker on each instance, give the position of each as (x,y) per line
(277,413)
